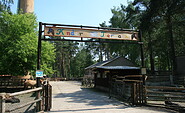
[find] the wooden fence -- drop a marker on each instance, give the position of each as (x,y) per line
(169,97)
(129,88)
(12,83)
(11,96)
(23,101)
(159,78)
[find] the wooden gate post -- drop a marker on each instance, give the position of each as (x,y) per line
(38,104)
(133,93)
(47,97)
(2,102)
(144,89)
(50,97)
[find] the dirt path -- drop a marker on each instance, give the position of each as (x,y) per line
(69,97)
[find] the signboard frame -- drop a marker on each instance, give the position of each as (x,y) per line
(54,31)
(53,37)
(57,38)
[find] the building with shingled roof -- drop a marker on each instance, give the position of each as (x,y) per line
(102,72)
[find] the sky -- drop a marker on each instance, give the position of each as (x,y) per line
(74,12)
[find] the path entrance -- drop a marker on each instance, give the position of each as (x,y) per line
(69,97)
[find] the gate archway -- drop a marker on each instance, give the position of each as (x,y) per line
(83,34)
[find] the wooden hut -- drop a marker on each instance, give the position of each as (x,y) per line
(102,72)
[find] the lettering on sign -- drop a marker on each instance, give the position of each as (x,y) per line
(90,33)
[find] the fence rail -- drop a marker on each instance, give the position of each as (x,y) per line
(11,97)
(169,97)
(13,83)
(33,100)
(129,88)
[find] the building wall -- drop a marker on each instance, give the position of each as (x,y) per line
(102,78)
(27,6)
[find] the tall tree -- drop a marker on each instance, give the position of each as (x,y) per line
(161,16)
(82,59)
(18,40)
(125,18)
(18,43)
(65,51)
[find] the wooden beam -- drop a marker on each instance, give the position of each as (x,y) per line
(24,92)
(163,92)
(164,88)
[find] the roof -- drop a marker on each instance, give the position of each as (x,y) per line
(100,63)
(96,64)
(115,63)
(117,67)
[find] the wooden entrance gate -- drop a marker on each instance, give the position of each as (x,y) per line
(129,88)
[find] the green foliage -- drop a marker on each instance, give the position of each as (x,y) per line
(162,25)
(126,18)
(82,60)
(65,51)
(71,59)
(18,43)
(48,58)
(5,5)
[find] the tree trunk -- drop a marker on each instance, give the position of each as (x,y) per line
(62,66)
(101,54)
(171,42)
(151,55)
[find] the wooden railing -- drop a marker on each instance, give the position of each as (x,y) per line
(41,96)
(4,96)
(169,97)
(129,87)
(12,83)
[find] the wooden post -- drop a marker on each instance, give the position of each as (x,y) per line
(144,89)
(133,93)
(144,94)
(110,85)
(139,92)
(2,103)
(136,93)
(50,96)
(39,47)
(141,47)
(39,53)
(46,97)
(38,104)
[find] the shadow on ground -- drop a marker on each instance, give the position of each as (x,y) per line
(98,98)
(90,96)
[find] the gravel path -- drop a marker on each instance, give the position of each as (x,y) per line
(69,97)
